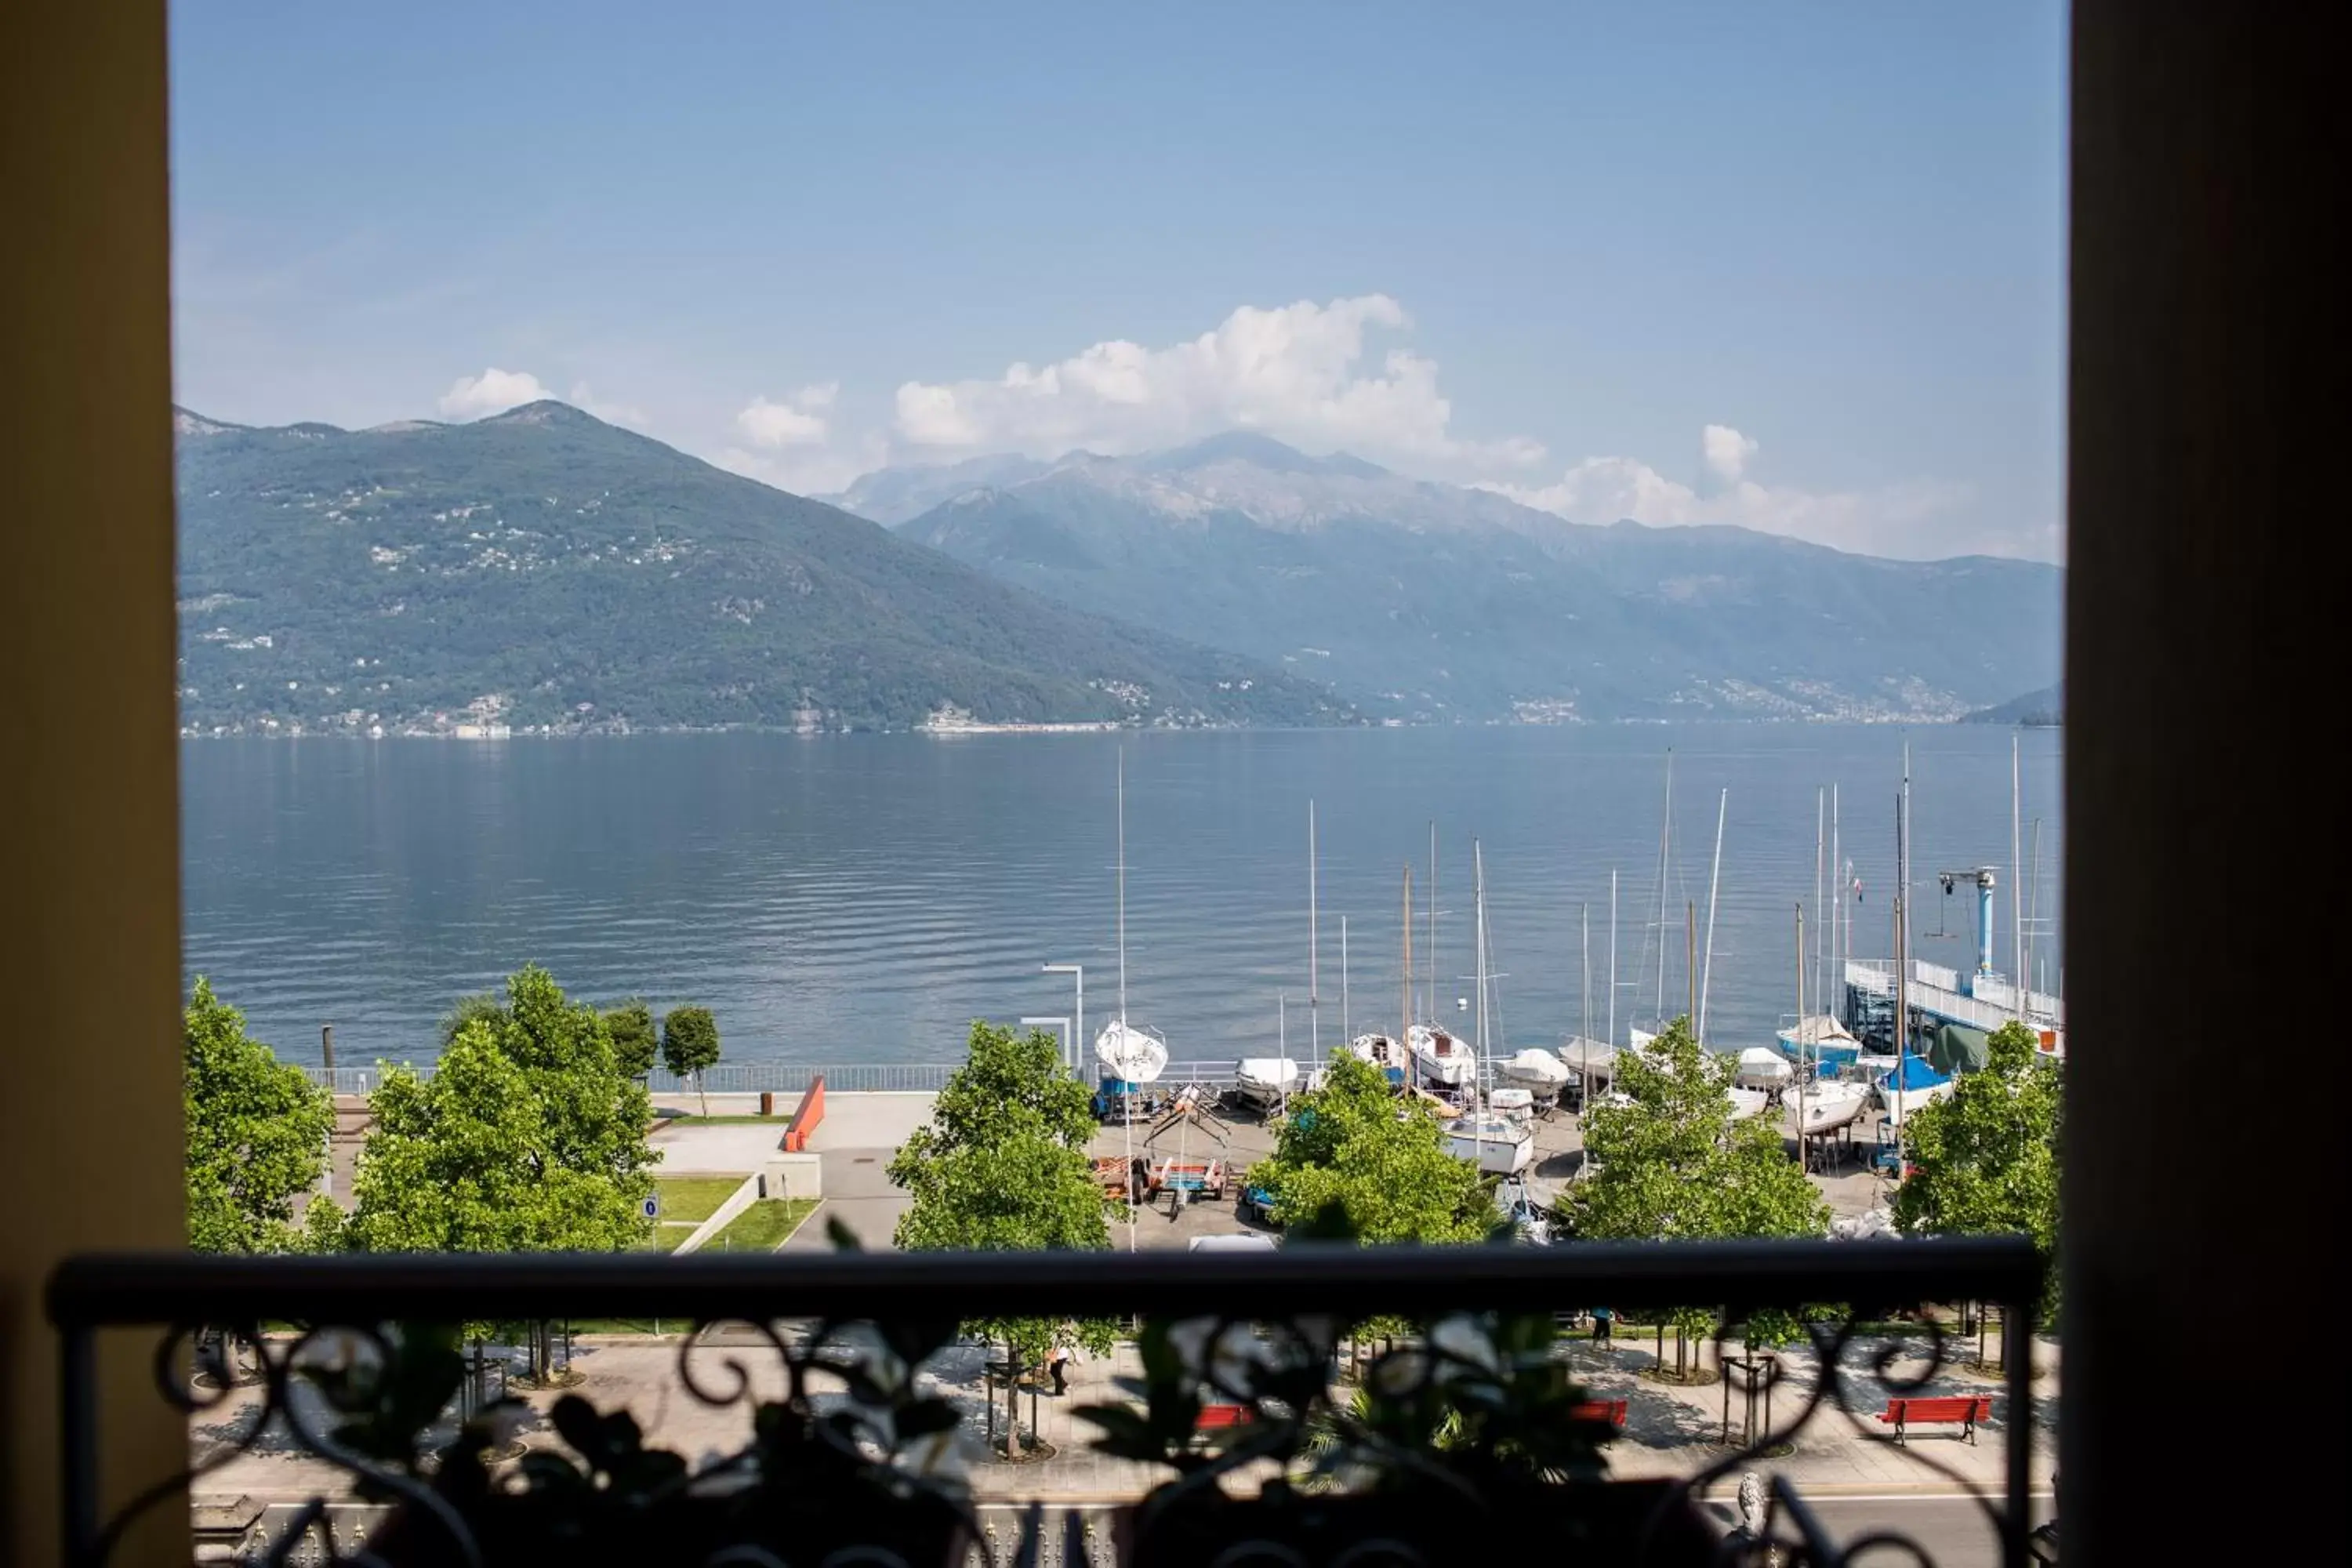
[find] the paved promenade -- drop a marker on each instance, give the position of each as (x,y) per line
(1669,1430)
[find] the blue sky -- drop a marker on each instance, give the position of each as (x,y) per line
(1799,266)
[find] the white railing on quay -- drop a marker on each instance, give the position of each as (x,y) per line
(794,1077)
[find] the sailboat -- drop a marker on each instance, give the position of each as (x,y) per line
(1130,1057)
(1497,1142)
(1440,1057)
(1921,1085)
(1382,1053)
(1263,1083)
(1818,1038)
(1540,1073)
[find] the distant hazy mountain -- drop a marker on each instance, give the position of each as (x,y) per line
(1431,601)
(542,568)
(893,495)
(2045,708)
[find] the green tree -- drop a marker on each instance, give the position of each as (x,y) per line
(1670,1164)
(482,1004)
(528,1137)
(1351,1149)
(256,1132)
(1001,1165)
(690,1045)
(1986,1157)
(635,1041)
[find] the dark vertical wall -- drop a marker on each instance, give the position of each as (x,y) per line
(90,1080)
(2207,475)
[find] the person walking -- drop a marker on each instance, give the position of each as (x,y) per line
(1601,1316)
(1057,1363)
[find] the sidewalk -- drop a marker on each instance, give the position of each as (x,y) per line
(1669,1430)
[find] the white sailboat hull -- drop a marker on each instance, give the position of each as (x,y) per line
(1129,1054)
(1899,1109)
(1264,1081)
(1497,1146)
(1439,1058)
(1537,1071)
(1828,1108)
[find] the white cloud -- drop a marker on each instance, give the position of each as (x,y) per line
(1894,521)
(1725,452)
(806,470)
(799,420)
(1296,373)
(493,391)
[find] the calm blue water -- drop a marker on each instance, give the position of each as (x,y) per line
(862,898)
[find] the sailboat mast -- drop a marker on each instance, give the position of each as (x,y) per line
(1344,1025)
(1902,935)
(1713,885)
(1584,1026)
(2017,871)
(1478,937)
(1313,980)
(1837,910)
(1612,956)
(2033,904)
(1665,844)
(1801,1074)
(1404,1028)
(1122,885)
(1690,962)
(1432,995)
(1821,847)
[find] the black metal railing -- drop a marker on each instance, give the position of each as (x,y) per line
(329,1358)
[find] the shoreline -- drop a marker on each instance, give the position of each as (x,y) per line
(1094,727)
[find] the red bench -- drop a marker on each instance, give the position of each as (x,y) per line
(1218,1419)
(1963,1410)
(1613,1411)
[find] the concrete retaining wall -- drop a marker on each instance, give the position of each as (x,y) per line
(793,1176)
(739,1200)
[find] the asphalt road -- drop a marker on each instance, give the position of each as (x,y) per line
(1952,1531)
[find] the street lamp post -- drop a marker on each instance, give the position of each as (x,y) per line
(1059,1021)
(1078,973)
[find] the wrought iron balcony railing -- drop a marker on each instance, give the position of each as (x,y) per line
(1283,1421)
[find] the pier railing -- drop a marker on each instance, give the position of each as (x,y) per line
(322,1383)
(794,1077)
(1935,988)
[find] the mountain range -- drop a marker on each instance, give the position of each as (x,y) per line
(2042,709)
(542,569)
(1419,601)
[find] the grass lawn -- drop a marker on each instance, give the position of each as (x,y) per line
(694,1198)
(763,1227)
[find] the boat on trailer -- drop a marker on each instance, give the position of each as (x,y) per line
(1382,1053)
(1439,1058)
(1262,1082)
(1499,1146)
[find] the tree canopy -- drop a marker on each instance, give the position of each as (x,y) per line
(1002,1166)
(256,1132)
(528,1137)
(636,1043)
(1671,1163)
(1986,1156)
(1353,1149)
(690,1045)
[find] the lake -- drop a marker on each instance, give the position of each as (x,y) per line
(862,898)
